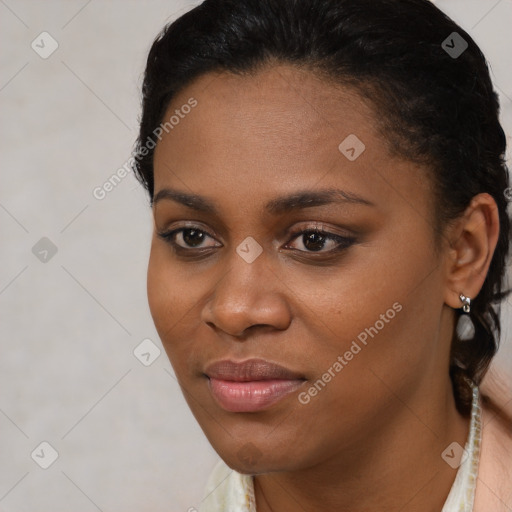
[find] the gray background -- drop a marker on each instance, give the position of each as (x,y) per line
(69,325)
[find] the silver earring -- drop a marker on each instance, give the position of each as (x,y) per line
(466,303)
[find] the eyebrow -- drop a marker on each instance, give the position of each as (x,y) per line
(277,206)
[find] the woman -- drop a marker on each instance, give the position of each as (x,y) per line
(329,198)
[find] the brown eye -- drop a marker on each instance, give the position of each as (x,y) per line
(186,238)
(315,240)
(192,237)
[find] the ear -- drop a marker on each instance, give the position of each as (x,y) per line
(472,239)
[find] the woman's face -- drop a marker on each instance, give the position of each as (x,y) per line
(356,315)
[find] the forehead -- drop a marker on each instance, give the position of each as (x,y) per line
(277,117)
(276,130)
(280,106)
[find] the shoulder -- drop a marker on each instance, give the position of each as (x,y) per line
(494,483)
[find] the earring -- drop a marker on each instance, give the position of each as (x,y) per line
(466,303)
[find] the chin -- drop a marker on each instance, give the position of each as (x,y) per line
(248,468)
(248,459)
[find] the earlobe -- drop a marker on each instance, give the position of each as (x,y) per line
(474,241)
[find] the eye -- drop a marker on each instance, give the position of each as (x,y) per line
(188,238)
(315,239)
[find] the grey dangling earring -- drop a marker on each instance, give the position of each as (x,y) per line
(466,303)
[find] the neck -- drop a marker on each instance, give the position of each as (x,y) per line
(396,467)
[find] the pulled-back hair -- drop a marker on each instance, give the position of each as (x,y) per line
(435,107)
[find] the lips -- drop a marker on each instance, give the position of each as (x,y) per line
(251,385)
(250,370)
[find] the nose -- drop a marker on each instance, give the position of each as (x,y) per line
(248,295)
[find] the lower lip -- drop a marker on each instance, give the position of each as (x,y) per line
(251,396)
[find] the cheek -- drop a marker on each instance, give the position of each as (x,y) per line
(175,297)
(387,300)
(159,289)
(169,296)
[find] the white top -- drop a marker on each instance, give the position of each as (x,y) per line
(230,491)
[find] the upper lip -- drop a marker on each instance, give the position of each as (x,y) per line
(249,370)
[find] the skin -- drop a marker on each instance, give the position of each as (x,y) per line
(386,417)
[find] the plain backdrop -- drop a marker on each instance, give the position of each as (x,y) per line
(73,268)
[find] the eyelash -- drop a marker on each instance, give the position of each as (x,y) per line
(342,241)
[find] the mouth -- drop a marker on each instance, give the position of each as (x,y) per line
(252,385)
